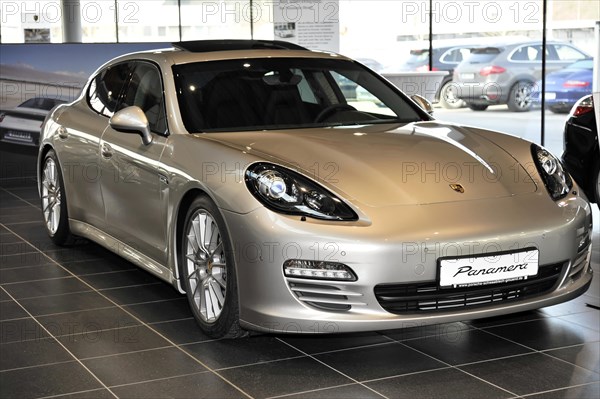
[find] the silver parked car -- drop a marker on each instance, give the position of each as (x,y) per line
(505,73)
(238,172)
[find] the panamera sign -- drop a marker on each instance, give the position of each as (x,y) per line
(484,270)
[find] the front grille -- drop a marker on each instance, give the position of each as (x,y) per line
(427,296)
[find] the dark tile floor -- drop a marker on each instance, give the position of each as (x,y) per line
(83,323)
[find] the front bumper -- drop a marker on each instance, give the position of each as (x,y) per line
(400,245)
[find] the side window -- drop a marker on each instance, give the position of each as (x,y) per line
(359,97)
(145,90)
(306,93)
(527,53)
(454,56)
(568,53)
(105,89)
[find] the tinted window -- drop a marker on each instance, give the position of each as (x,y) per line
(145,91)
(106,87)
(533,53)
(455,55)
(527,53)
(271,93)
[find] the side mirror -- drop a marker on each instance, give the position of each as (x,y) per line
(423,103)
(132,120)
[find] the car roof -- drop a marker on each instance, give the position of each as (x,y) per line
(218,50)
(516,42)
(467,42)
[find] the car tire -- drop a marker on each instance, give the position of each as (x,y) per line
(519,98)
(54,201)
(208,270)
(477,106)
(448,98)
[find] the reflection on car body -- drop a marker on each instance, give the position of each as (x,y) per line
(239,172)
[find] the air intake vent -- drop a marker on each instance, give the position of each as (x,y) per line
(325,297)
(428,297)
(583,254)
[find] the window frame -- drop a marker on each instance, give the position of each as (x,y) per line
(118,98)
(125,86)
(163,104)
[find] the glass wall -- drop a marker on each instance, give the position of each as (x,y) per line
(147,21)
(31,21)
(98,21)
(496,42)
(216,19)
(492,51)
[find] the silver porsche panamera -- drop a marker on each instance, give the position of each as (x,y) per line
(251,176)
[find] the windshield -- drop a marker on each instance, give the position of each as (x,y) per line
(41,103)
(583,64)
(279,93)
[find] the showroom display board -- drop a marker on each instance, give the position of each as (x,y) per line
(56,71)
(314,24)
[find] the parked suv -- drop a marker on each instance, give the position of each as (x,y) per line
(506,73)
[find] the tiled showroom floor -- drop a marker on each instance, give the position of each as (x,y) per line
(81,322)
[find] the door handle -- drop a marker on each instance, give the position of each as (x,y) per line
(106,151)
(63,133)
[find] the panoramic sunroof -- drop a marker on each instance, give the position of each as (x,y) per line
(203,46)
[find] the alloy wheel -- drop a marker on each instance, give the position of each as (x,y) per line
(522,95)
(51,197)
(205,267)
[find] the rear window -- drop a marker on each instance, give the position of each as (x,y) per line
(483,55)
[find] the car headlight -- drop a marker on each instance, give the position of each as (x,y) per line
(556,179)
(283,190)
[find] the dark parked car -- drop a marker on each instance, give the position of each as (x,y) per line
(565,87)
(581,153)
(506,73)
(22,124)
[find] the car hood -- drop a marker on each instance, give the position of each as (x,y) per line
(385,165)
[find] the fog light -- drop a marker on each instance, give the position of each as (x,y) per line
(318,270)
